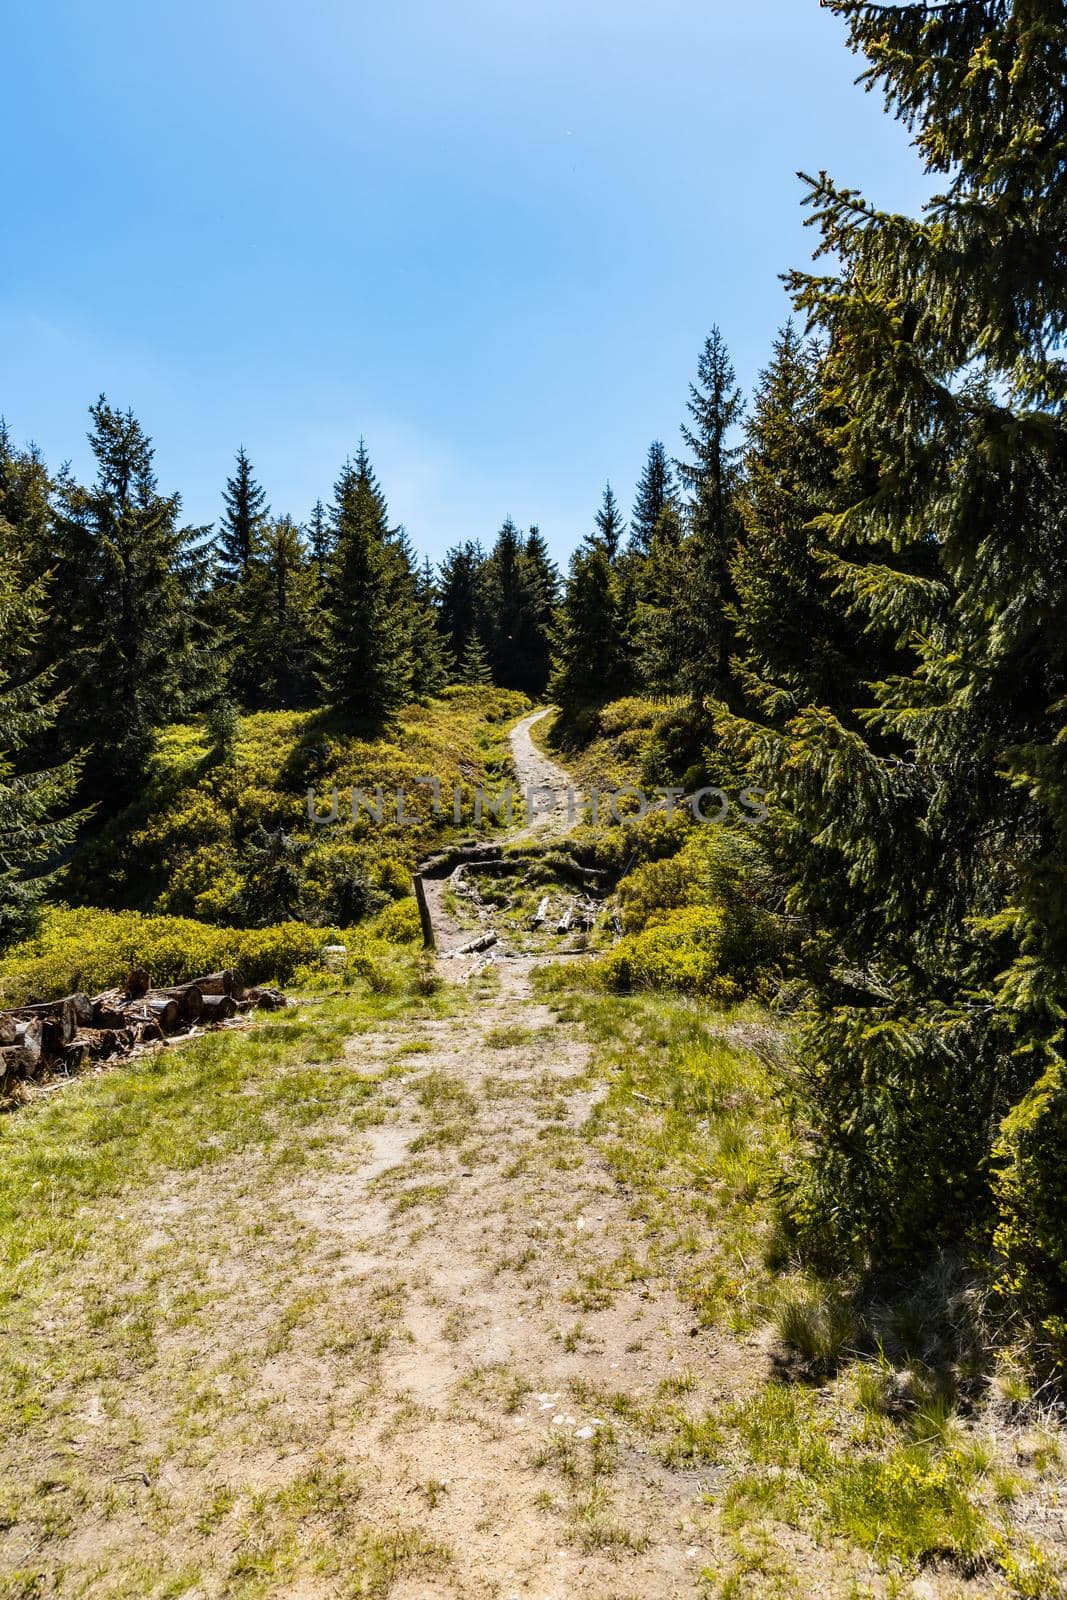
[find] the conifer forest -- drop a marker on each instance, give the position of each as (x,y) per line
(616,1204)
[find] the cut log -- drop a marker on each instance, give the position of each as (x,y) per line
(58,1017)
(83,1009)
(267,999)
(75,1054)
(15,1063)
(107,1013)
(7,1028)
(165,1011)
(541,913)
(476,946)
(564,923)
(190,998)
(218,1008)
(228,982)
(29,1038)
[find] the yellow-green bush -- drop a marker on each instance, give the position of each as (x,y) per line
(399,923)
(719,869)
(1031,1190)
(654,889)
(188,845)
(92,950)
(684,951)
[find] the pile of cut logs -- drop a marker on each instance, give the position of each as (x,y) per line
(60,1036)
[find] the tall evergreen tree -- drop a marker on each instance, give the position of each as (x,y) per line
(432,662)
(791,630)
(132,577)
(655,492)
(929,831)
(610,526)
(543,578)
(702,617)
(512,604)
(279,607)
(589,663)
(659,579)
(460,607)
(319,537)
(244,520)
(26,500)
(35,823)
(368,655)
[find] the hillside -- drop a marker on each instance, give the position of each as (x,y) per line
(333,1300)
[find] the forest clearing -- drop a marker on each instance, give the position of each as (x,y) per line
(533,1018)
(454,1286)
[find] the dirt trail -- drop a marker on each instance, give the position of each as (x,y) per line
(502,1235)
(518,1260)
(535,772)
(384,1352)
(546,785)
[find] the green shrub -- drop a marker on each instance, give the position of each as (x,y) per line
(722,870)
(399,923)
(202,839)
(653,890)
(93,950)
(1031,1194)
(896,1111)
(683,952)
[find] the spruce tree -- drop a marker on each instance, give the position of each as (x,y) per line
(280,632)
(474,663)
(792,635)
(655,492)
(610,527)
(432,662)
(243,522)
(543,579)
(460,605)
(35,824)
(702,618)
(132,578)
(26,490)
(928,831)
(660,577)
(511,602)
(589,662)
(368,655)
(319,537)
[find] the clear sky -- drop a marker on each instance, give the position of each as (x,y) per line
(489,235)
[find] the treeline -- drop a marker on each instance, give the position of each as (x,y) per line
(143,618)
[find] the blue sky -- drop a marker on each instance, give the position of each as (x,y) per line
(488,235)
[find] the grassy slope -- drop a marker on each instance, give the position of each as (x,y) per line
(165,884)
(183,847)
(879,1440)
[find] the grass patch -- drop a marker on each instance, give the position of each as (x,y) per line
(691,1126)
(149,1251)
